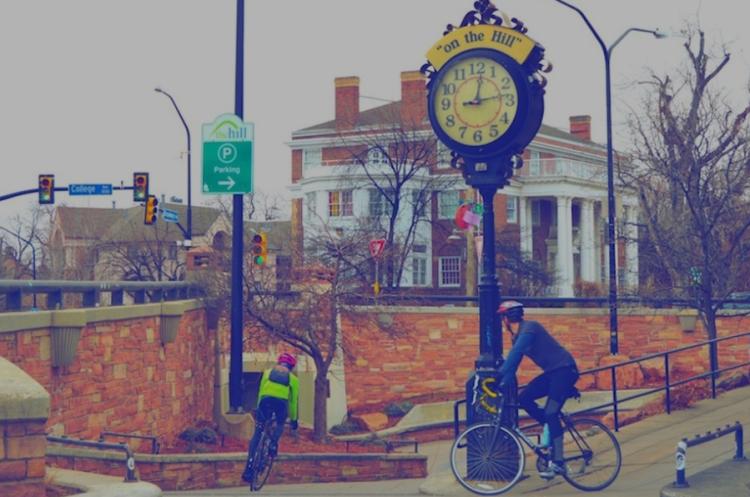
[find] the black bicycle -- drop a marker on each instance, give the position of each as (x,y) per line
(488,458)
(263,457)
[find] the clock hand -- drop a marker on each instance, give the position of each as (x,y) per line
(479,86)
(476,100)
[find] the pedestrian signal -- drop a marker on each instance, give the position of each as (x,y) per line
(46,189)
(260,249)
(151,210)
(140,187)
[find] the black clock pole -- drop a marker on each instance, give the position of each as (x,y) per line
(490,344)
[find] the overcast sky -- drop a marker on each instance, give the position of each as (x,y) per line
(77,99)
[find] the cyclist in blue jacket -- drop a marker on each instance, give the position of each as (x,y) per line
(559,375)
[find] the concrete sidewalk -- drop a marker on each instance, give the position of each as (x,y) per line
(648,462)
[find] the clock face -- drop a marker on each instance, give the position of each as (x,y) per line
(474,101)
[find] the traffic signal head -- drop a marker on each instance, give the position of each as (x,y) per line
(140,187)
(46,189)
(151,211)
(260,249)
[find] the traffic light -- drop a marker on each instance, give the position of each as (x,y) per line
(140,187)
(46,189)
(151,210)
(260,249)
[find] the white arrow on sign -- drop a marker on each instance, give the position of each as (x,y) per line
(229,182)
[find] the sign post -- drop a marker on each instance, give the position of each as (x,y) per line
(228,155)
(377,247)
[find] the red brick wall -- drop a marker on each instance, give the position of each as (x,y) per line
(437,350)
(22,447)
(122,378)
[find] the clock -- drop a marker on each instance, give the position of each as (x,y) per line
(482,103)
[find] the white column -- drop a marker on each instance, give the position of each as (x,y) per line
(588,253)
(526,228)
(564,247)
(631,248)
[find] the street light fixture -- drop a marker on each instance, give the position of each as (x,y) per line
(607,52)
(189,232)
(33,257)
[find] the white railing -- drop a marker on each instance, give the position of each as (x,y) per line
(563,167)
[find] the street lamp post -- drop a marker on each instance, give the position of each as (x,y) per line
(189,232)
(33,258)
(607,52)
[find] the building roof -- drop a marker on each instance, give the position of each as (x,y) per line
(390,114)
(91,223)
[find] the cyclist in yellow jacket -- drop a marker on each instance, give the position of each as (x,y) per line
(279,395)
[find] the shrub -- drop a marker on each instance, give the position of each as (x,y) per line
(347,427)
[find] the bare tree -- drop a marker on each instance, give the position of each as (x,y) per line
(307,318)
(24,243)
(692,173)
(142,253)
(257,206)
(396,163)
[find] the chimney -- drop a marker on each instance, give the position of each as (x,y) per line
(580,127)
(347,102)
(413,98)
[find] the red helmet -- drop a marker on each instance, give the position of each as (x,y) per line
(288,359)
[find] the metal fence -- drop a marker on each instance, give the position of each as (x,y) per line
(90,292)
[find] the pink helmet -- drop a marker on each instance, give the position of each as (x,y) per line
(288,359)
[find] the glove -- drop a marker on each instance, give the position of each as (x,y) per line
(294,424)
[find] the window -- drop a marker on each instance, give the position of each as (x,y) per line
(450,271)
(448,203)
(511,209)
(378,203)
(172,252)
(311,157)
(419,200)
(419,271)
(340,203)
(536,213)
(443,156)
(376,156)
(535,163)
(310,200)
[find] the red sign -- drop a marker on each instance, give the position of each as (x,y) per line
(377,247)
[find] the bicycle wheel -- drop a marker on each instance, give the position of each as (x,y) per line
(262,462)
(487,459)
(592,455)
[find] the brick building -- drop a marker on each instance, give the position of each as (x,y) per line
(554,211)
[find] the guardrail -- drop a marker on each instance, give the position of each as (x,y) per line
(140,291)
(682,446)
(129,459)
(713,374)
(154,439)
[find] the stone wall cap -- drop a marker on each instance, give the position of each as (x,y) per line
(175,308)
(70,318)
(21,396)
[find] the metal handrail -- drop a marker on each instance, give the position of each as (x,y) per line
(129,459)
(713,373)
(154,439)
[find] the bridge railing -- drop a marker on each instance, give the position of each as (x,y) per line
(140,292)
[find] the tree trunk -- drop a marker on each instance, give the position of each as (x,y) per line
(320,417)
